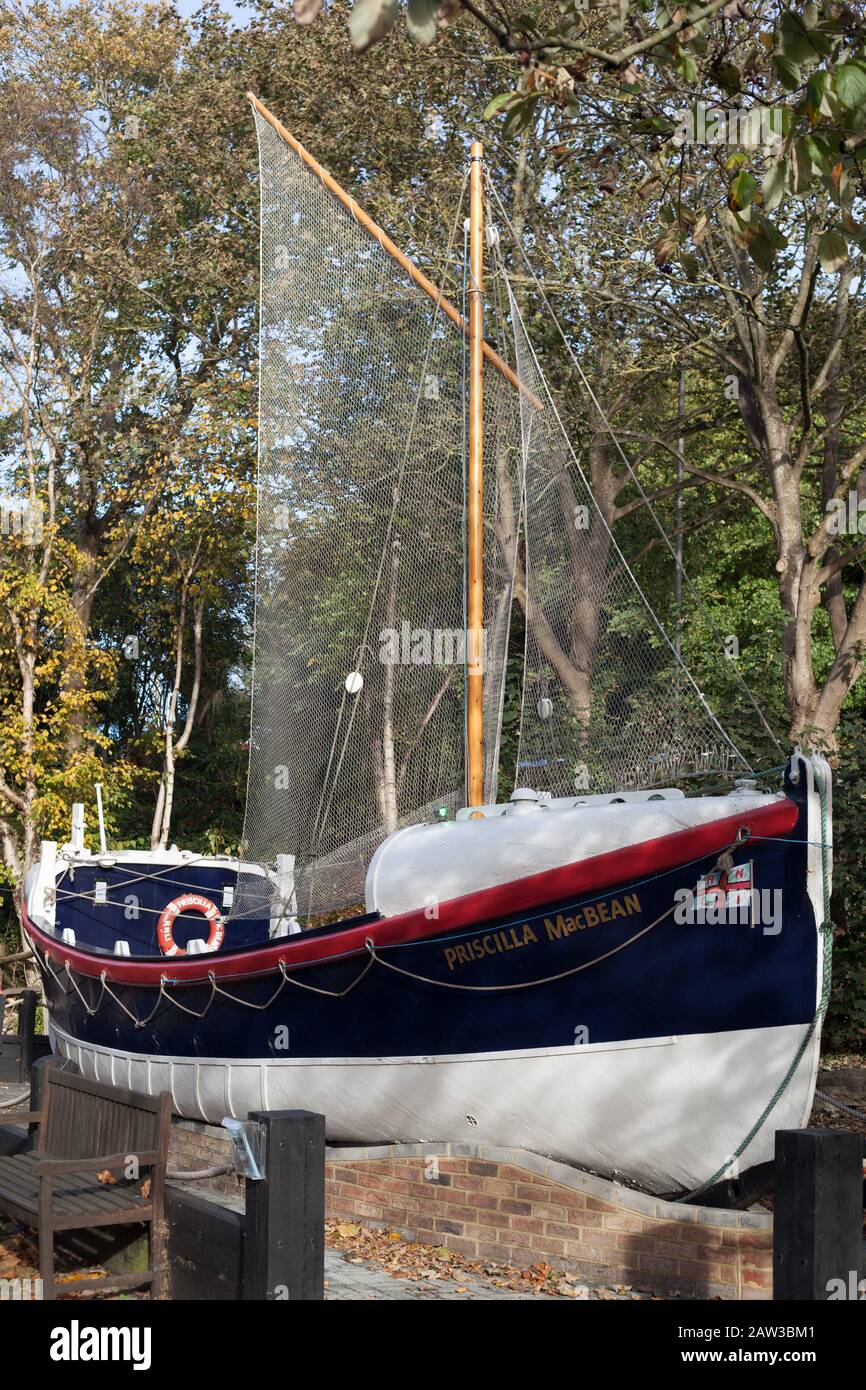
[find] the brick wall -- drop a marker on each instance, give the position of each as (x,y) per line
(194,1146)
(514,1207)
(518,1208)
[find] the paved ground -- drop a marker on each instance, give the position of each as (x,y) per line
(13,1093)
(366,1283)
(350,1276)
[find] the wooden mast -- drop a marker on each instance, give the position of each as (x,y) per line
(475,488)
(365,221)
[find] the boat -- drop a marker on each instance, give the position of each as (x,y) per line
(596,966)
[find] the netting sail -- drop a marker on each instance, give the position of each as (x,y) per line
(358,684)
(607,703)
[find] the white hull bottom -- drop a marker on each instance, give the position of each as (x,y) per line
(665,1113)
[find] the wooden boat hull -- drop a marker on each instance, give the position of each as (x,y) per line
(592,1026)
(664,1113)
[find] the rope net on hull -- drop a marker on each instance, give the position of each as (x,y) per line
(359,671)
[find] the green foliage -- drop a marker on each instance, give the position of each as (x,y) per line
(846,1019)
(370,21)
(799,68)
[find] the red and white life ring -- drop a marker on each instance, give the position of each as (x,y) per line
(189,902)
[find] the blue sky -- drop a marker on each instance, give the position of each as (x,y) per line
(237,11)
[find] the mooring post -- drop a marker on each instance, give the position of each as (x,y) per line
(818,1214)
(27,1032)
(284,1249)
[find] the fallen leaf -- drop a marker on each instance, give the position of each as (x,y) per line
(79,1274)
(428,1265)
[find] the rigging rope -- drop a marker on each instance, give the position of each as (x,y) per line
(216,990)
(840,1105)
(613,541)
(354,728)
(322,814)
(522,984)
(625,459)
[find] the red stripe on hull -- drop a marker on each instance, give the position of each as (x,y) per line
(602,871)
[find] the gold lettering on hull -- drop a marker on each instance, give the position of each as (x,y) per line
(515,938)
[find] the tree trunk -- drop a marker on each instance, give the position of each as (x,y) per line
(82,595)
(165,797)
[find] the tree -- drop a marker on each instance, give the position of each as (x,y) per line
(740,131)
(127,302)
(793,75)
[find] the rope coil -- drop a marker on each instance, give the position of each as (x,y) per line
(216,1170)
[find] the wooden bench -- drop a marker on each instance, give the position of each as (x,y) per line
(85,1128)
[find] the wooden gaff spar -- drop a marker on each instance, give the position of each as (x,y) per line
(364,220)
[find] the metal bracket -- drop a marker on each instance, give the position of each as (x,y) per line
(248,1141)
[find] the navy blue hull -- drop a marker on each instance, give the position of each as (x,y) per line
(136,895)
(675,979)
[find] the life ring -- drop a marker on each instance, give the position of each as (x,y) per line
(185,903)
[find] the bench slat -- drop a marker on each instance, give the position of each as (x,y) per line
(118,1216)
(87,1117)
(110,1283)
(83,1121)
(80,1188)
(75,1198)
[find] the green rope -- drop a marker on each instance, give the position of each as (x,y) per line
(826,933)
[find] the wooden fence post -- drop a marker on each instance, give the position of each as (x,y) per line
(818,1214)
(27,1032)
(284,1251)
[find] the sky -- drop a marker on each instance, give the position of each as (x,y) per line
(237,11)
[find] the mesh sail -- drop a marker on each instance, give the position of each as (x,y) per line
(358,685)
(607,704)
